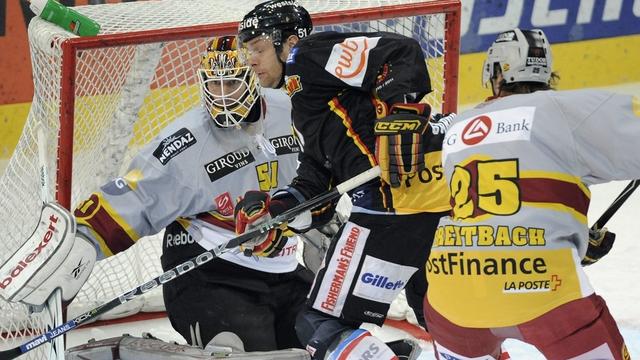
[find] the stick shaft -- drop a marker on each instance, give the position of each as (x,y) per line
(616,204)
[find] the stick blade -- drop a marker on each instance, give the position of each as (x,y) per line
(10,354)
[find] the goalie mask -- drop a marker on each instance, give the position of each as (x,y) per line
(229,89)
(523,56)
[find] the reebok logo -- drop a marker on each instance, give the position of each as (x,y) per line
(181,238)
(79,269)
(476,130)
(22,264)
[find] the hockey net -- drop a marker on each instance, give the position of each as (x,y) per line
(101,98)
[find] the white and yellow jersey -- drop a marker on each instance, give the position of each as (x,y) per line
(193,173)
(518,169)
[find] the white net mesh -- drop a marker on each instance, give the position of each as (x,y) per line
(123,89)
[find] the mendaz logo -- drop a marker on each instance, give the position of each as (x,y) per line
(174,145)
(381,281)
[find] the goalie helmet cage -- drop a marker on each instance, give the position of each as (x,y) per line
(101,98)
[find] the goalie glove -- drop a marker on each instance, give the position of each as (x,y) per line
(400,141)
(53,257)
(253,209)
(600,243)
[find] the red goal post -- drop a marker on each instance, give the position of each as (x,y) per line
(101,98)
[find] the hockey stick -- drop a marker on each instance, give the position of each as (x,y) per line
(53,305)
(616,204)
(193,263)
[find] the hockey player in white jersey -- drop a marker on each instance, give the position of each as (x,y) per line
(187,181)
(507,262)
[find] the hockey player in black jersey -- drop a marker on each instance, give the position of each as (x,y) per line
(354,106)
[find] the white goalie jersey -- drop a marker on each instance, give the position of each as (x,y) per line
(193,173)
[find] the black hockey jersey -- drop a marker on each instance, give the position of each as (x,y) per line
(339,83)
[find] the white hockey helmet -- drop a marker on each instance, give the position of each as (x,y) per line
(229,88)
(523,56)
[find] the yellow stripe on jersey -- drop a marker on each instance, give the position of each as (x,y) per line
(132,178)
(336,108)
(113,233)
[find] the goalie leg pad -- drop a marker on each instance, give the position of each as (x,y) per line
(51,258)
(148,348)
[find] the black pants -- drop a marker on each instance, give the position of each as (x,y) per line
(369,262)
(258,307)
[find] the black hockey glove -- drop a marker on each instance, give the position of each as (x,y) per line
(400,141)
(255,208)
(600,243)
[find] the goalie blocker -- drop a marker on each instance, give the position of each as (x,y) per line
(53,257)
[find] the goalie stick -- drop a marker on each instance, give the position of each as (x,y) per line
(53,304)
(616,204)
(193,263)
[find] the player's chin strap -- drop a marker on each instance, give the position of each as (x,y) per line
(194,262)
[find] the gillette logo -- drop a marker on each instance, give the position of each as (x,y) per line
(381,281)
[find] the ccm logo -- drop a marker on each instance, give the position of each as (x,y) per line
(397,125)
(22,264)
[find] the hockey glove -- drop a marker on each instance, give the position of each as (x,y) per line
(600,243)
(400,141)
(252,210)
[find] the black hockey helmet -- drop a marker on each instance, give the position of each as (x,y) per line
(277,19)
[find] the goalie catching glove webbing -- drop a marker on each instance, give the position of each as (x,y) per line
(53,257)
